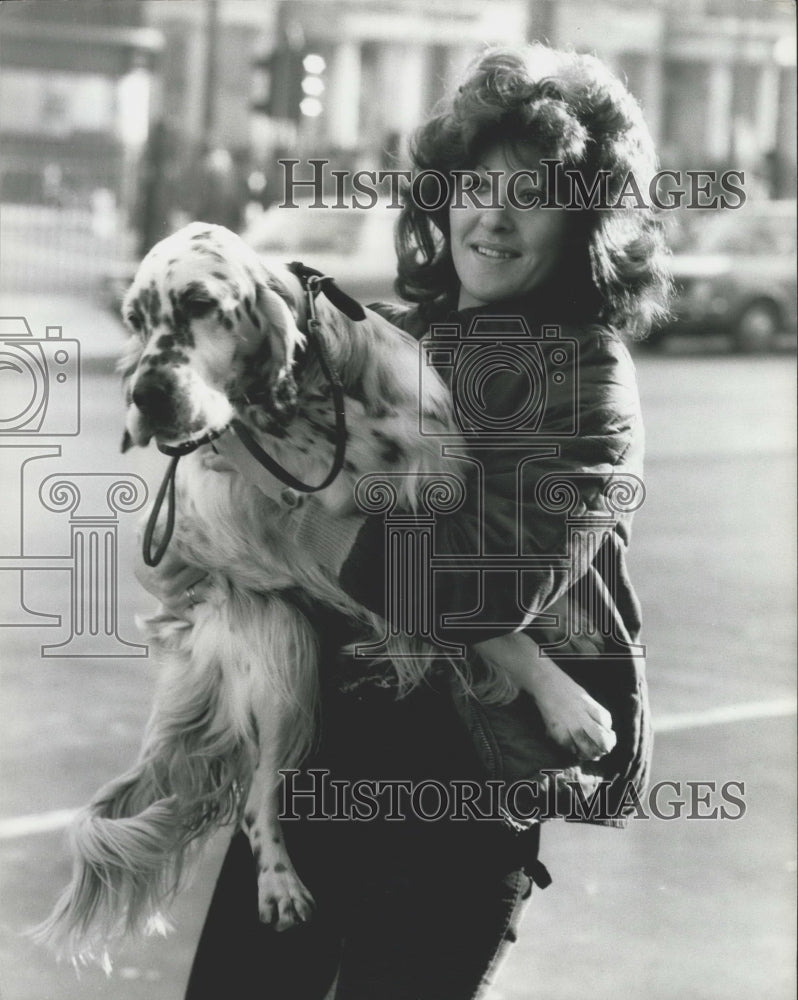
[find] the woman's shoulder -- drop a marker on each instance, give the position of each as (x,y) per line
(602,346)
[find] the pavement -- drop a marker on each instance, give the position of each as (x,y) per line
(700,908)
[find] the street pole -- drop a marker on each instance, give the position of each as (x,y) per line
(209,83)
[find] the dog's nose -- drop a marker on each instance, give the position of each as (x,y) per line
(153,395)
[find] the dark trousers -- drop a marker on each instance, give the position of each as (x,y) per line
(407,908)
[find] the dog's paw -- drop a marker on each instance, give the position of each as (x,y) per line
(283,901)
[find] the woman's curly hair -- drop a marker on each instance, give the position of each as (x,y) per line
(575,111)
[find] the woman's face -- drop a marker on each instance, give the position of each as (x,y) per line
(500,253)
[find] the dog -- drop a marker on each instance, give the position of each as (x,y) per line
(217,338)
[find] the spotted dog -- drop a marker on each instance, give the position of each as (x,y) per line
(216,338)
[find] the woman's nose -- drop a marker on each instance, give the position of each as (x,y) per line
(495,219)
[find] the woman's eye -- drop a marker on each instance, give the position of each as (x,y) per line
(529,196)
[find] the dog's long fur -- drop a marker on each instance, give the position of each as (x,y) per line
(237,689)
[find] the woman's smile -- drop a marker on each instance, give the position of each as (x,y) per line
(493,252)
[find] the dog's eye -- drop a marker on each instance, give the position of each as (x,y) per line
(134,321)
(196,308)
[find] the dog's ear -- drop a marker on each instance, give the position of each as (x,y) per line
(275,311)
(129,358)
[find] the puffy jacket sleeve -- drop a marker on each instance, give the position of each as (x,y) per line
(507,548)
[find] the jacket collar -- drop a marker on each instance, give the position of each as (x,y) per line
(555,303)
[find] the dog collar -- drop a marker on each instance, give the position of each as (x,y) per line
(178,450)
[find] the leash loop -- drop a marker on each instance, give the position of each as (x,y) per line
(168,485)
(344,303)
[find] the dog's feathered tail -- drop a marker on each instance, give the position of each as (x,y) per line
(133,845)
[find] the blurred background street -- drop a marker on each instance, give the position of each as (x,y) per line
(121,121)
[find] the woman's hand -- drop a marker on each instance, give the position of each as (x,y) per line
(177,585)
(571,717)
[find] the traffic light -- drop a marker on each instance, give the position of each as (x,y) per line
(278,84)
(289,84)
(312,85)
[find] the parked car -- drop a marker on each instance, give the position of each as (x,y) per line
(354,246)
(734,272)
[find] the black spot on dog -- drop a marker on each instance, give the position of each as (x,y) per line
(392,453)
(155,305)
(237,313)
(374,407)
(510,936)
(201,236)
(279,867)
(322,430)
(390,450)
(180,321)
(249,819)
(224,320)
(251,314)
(275,429)
(275,285)
(171,356)
(276,838)
(219,274)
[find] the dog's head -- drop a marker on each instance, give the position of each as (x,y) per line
(213,334)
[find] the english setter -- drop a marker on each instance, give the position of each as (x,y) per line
(217,337)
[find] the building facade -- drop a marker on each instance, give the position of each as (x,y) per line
(90,85)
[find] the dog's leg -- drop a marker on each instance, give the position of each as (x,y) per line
(277,654)
(283,900)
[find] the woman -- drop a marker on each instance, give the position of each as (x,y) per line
(408,908)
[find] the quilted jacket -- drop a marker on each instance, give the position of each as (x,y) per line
(553,448)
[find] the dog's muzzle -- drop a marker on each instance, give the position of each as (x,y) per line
(154,395)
